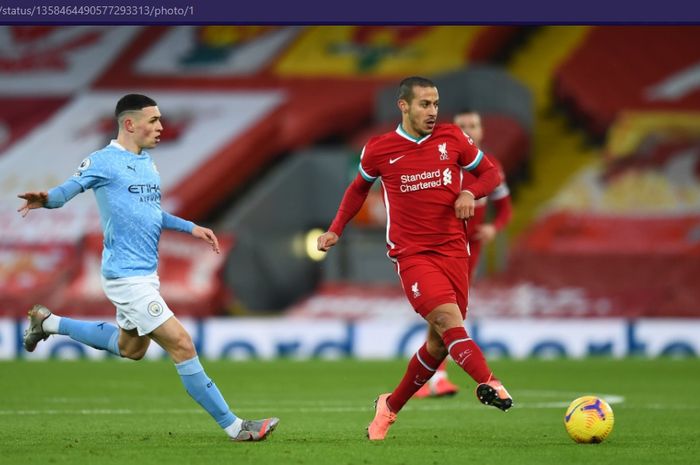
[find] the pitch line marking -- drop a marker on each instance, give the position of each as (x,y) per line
(321,407)
(303,406)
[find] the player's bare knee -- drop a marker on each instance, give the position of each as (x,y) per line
(443,318)
(440,321)
(187,353)
(184,348)
(134,354)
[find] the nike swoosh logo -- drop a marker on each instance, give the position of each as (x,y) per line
(394,160)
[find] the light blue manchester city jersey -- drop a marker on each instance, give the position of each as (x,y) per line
(127,189)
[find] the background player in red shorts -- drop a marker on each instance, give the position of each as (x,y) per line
(420,165)
(479,232)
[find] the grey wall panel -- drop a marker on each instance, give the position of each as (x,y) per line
(483,88)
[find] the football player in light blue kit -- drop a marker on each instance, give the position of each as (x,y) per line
(127,188)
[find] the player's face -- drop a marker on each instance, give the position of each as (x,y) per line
(422,111)
(147,127)
(471,124)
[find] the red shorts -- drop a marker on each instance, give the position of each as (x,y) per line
(430,280)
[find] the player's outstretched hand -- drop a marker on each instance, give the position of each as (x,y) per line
(208,235)
(326,240)
(32,200)
(464,205)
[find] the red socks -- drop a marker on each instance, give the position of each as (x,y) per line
(466,354)
(420,368)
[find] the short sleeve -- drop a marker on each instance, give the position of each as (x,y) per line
(469,155)
(92,172)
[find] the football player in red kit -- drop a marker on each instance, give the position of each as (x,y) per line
(479,232)
(420,166)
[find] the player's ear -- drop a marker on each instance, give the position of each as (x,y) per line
(129,124)
(403,106)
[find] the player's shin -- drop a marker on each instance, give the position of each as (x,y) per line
(202,389)
(420,368)
(466,354)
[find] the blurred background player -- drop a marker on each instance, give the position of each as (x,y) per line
(126,184)
(479,233)
(420,165)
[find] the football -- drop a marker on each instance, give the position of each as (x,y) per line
(589,419)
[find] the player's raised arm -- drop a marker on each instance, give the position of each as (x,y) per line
(354,197)
(32,200)
(54,198)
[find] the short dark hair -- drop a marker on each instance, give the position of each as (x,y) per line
(406,86)
(132,102)
(465,110)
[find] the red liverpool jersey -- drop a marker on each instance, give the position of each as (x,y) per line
(422,179)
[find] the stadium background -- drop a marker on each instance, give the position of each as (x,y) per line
(598,129)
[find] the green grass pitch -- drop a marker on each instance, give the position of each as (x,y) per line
(120,412)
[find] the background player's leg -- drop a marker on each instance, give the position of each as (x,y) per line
(440,385)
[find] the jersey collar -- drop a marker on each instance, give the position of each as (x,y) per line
(117,145)
(400,131)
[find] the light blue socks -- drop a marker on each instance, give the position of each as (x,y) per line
(204,391)
(103,336)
